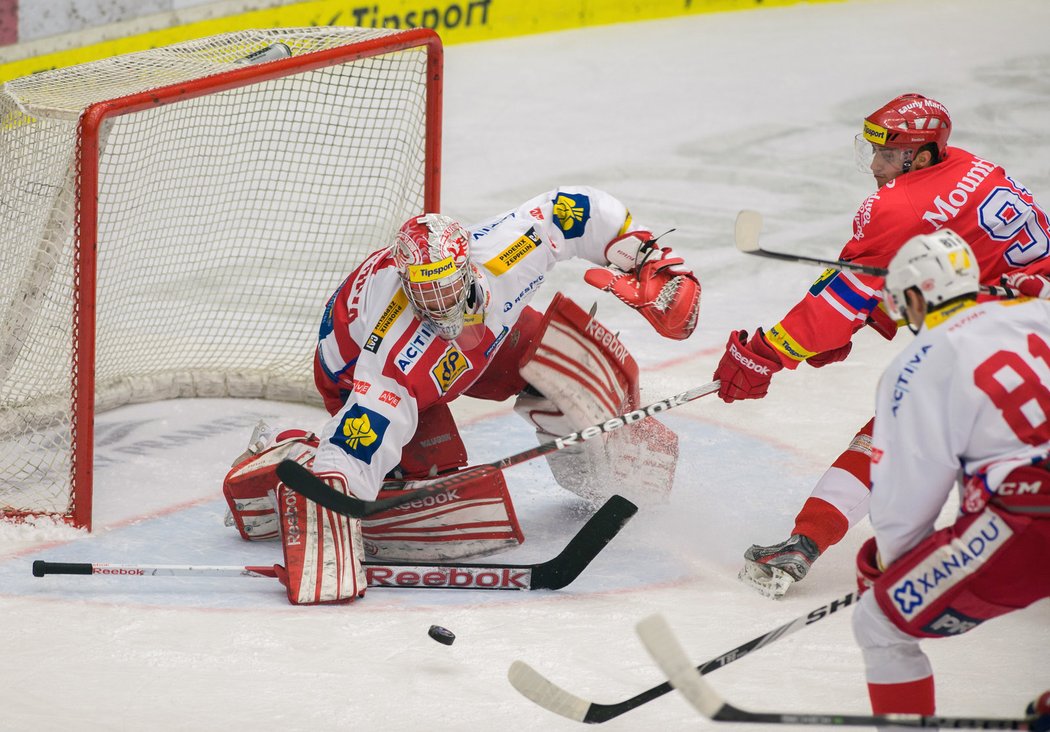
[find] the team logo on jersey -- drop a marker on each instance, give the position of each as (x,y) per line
(415,348)
(449,367)
(949,564)
(571,213)
(513,254)
(394,309)
(361,433)
(823,281)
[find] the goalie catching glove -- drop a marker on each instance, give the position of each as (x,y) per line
(651,280)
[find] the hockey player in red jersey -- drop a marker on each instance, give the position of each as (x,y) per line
(924,186)
(443,312)
(967,401)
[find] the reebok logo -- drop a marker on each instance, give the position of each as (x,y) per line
(747,362)
(467,578)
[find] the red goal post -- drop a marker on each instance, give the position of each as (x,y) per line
(172,221)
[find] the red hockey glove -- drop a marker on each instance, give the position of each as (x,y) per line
(746,367)
(835,355)
(1029,285)
(869,568)
(659,285)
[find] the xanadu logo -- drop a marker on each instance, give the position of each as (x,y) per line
(948,565)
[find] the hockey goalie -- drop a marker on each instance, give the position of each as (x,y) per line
(442,312)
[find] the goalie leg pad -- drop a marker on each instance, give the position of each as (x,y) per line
(472,519)
(585,375)
(248,485)
(322,549)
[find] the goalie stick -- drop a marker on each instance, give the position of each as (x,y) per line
(553,574)
(749,226)
(302,481)
(669,655)
(535,687)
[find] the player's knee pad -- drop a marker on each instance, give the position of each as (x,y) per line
(248,485)
(584,375)
(322,549)
(473,518)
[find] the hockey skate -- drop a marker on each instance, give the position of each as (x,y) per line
(771,570)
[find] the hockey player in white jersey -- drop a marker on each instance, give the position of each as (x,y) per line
(442,312)
(967,402)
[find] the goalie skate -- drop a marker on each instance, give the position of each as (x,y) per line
(771,570)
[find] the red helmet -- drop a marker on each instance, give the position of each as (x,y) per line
(909,121)
(432,255)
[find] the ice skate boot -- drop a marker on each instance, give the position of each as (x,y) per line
(772,569)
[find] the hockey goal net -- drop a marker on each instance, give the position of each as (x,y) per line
(171,222)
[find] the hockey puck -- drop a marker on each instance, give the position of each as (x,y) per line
(442,635)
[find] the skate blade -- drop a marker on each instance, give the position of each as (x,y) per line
(767,581)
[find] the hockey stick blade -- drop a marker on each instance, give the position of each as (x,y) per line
(535,687)
(599,530)
(749,226)
(302,481)
(553,574)
(661,643)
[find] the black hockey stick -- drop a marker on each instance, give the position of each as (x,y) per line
(749,226)
(548,695)
(668,653)
(302,481)
(552,574)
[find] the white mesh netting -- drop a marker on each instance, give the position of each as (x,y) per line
(224,223)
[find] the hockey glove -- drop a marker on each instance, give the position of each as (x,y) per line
(1029,285)
(869,567)
(652,281)
(746,367)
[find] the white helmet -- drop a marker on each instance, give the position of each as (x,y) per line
(942,266)
(432,255)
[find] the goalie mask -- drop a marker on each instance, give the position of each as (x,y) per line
(941,266)
(432,255)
